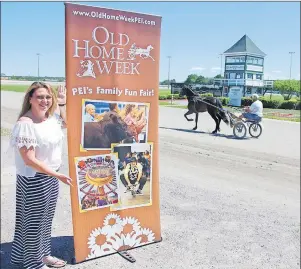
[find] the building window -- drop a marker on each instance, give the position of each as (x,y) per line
(249,91)
(260,61)
(254,60)
(259,91)
(238,59)
(258,76)
(250,76)
(232,75)
(238,76)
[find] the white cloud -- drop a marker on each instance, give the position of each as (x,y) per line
(276,71)
(197,68)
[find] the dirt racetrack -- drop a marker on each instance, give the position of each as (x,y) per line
(225,203)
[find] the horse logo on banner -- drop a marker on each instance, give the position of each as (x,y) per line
(143,53)
(86,69)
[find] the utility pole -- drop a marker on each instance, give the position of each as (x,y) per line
(221,79)
(291,53)
(38,54)
(221,55)
(169,57)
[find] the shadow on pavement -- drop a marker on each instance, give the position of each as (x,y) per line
(200,132)
(184,130)
(61,247)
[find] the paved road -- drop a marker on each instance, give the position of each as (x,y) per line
(225,203)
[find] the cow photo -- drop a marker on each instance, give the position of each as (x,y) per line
(107,122)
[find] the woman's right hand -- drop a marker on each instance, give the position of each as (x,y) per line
(65,179)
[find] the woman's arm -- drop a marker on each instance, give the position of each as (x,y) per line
(28,156)
(62,109)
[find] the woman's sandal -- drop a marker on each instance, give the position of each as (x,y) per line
(55,263)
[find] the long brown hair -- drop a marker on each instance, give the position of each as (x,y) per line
(26,106)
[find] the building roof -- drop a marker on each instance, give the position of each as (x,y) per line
(245,45)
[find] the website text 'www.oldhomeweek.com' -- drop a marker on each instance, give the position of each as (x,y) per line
(106,16)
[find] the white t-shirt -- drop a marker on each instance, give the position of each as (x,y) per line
(47,139)
(257,108)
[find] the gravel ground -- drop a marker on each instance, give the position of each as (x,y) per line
(225,203)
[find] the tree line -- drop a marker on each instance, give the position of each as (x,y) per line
(35,78)
(194,79)
(287,88)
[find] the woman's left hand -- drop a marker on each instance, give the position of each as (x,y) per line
(61,95)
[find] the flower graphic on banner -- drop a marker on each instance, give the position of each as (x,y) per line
(117,234)
(123,242)
(112,224)
(132,224)
(150,236)
(97,243)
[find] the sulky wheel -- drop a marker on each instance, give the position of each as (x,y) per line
(240,130)
(255,130)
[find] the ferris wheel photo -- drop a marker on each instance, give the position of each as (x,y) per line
(96,181)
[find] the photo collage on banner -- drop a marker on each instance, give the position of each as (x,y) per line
(121,179)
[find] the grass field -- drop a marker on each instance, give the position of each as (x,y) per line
(14,88)
(164,91)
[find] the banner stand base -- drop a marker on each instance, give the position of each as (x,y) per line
(123,254)
(127,256)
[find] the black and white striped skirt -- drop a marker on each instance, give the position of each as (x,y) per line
(36,200)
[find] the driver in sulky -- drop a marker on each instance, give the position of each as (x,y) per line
(132,176)
(255,111)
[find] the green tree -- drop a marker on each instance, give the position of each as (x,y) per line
(191,79)
(287,88)
(218,76)
(210,81)
(204,81)
(166,82)
(200,80)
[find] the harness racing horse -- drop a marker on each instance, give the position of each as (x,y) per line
(197,105)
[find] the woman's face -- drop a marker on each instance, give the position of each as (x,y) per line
(91,111)
(41,100)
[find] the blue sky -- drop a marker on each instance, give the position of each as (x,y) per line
(193,33)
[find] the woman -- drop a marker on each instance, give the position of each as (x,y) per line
(134,124)
(37,139)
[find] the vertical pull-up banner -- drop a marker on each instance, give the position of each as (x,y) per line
(112,80)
